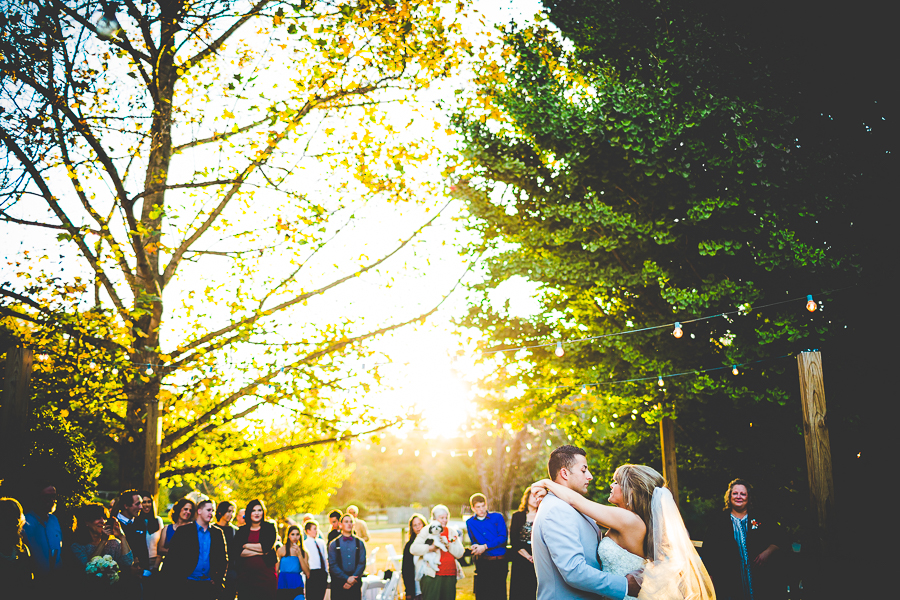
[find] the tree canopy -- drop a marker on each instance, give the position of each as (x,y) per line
(643,164)
(201,157)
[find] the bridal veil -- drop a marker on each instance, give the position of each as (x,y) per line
(675,571)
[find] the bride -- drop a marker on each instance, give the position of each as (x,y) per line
(645,531)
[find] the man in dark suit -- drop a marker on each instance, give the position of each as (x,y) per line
(197,560)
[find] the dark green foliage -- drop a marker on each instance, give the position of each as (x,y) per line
(661,172)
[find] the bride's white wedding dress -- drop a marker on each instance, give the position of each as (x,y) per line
(674,571)
(617,560)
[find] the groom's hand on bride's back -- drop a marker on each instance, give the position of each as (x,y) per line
(634,582)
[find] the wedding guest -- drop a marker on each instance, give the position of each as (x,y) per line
(128,509)
(411,587)
(239,518)
(347,562)
(151,524)
(43,536)
(181,514)
(360,529)
(224,515)
(522,579)
(292,561)
(488,533)
(16,566)
(317,582)
(334,517)
(197,558)
(440,584)
(97,535)
(256,542)
(741,548)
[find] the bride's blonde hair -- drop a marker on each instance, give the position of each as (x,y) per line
(637,483)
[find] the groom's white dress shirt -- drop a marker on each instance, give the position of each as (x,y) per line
(564,543)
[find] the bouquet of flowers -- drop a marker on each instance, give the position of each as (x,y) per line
(104,567)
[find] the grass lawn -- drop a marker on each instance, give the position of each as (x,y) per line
(381,538)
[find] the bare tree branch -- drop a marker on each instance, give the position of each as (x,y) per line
(217,137)
(251,387)
(295,300)
(214,47)
(64,219)
(181,186)
(208,467)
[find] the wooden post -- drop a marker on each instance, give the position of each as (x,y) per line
(818,445)
(152,439)
(14,410)
(670,465)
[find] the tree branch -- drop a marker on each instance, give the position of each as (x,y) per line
(214,47)
(249,388)
(61,215)
(219,136)
(295,300)
(197,469)
(181,186)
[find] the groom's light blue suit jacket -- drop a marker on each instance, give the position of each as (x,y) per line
(564,543)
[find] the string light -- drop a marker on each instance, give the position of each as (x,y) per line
(43,356)
(677,332)
(107,25)
(742,310)
(584,390)
(660,383)
(417,453)
(734,370)
(490,451)
(399,450)
(507,448)
(383,449)
(811,305)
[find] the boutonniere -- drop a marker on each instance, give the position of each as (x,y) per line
(754,524)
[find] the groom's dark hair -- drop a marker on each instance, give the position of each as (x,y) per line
(563,458)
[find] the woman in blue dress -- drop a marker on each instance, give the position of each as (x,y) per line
(292,566)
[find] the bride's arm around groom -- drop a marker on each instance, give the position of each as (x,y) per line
(565,555)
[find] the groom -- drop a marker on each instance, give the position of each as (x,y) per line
(565,542)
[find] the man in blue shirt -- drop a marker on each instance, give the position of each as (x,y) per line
(43,536)
(488,533)
(347,562)
(197,560)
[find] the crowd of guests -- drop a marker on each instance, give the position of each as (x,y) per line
(211,551)
(207,552)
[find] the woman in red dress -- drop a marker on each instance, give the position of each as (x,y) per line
(256,540)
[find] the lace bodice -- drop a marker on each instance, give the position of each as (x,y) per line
(617,560)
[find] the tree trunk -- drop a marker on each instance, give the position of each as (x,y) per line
(144,409)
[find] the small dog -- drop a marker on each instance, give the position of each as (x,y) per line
(431,560)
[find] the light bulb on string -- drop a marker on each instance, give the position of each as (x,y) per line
(584,390)
(734,370)
(811,305)
(107,25)
(471,453)
(43,356)
(559,349)
(660,382)
(416,452)
(149,371)
(399,450)
(678,331)
(490,451)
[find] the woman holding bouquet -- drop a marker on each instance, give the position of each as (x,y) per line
(100,550)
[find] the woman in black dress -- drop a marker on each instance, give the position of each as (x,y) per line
(411,589)
(522,581)
(743,547)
